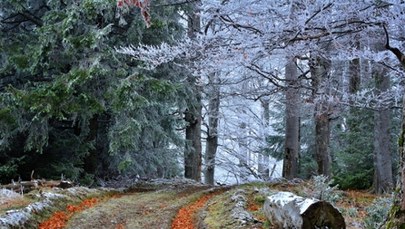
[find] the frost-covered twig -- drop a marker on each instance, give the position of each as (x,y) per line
(156,55)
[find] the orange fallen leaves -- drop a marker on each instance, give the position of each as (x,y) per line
(119,226)
(59,219)
(186,215)
(253,207)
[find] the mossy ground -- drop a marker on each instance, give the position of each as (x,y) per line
(218,212)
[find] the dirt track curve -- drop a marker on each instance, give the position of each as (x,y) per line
(150,209)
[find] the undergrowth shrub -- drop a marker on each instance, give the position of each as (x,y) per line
(324,190)
(377,212)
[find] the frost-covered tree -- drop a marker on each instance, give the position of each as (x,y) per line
(245,38)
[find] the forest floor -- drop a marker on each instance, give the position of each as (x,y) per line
(179,204)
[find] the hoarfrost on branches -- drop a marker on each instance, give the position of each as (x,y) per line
(247,42)
(153,56)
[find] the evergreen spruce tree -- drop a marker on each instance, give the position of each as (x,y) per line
(69,103)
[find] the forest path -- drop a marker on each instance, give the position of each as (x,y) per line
(158,204)
(214,208)
(150,209)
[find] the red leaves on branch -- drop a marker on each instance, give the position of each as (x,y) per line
(141,4)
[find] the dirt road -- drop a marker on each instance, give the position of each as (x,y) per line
(152,209)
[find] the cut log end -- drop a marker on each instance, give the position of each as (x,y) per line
(286,210)
(322,215)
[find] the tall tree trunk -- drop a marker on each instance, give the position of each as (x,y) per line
(319,73)
(95,163)
(212,133)
(402,164)
(383,179)
(396,218)
(290,163)
(322,136)
(263,160)
(354,72)
(354,87)
(192,154)
(193,150)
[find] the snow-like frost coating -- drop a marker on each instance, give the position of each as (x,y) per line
(19,218)
(6,195)
(292,207)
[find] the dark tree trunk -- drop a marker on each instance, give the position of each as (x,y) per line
(96,163)
(192,154)
(212,133)
(319,73)
(290,163)
(193,151)
(210,153)
(322,136)
(402,165)
(396,218)
(353,125)
(383,179)
(354,87)
(194,23)
(90,162)
(354,72)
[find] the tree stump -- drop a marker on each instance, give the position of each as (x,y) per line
(286,210)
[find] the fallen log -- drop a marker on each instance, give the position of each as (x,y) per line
(22,186)
(287,210)
(27,186)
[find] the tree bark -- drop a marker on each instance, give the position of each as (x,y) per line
(192,154)
(354,87)
(383,179)
(396,218)
(322,136)
(402,164)
(212,133)
(319,72)
(193,150)
(354,72)
(290,163)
